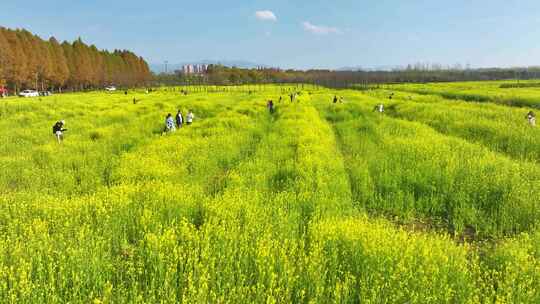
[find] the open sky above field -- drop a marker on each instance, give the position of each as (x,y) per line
(303,34)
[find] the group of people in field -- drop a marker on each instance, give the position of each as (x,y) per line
(271,106)
(378,108)
(336,99)
(293,96)
(171,124)
(531,117)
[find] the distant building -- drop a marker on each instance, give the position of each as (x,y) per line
(194,69)
(265,68)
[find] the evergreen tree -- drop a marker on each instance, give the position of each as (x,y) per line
(29,61)
(61,70)
(17,71)
(6,58)
(83,70)
(31,57)
(45,64)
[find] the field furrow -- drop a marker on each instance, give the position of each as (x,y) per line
(501,129)
(318,202)
(408,169)
(477,92)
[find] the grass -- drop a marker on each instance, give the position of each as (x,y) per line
(311,204)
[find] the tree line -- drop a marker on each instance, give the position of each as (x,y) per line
(221,75)
(27,61)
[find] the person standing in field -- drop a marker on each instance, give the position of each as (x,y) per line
(179,119)
(270,106)
(379,108)
(189,118)
(335,99)
(58,130)
(531,118)
(280,99)
(169,124)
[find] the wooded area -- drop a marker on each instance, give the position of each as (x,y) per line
(221,75)
(29,62)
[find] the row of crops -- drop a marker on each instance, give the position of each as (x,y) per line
(318,203)
(510,93)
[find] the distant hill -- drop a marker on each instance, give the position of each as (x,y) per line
(160,67)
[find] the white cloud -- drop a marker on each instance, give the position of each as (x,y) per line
(320,29)
(265,16)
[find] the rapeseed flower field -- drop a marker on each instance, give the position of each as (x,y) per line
(433,201)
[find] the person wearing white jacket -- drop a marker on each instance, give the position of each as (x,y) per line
(531,118)
(190,117)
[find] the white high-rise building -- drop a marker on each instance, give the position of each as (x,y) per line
(198,69)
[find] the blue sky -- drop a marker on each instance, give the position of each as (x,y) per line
(304,34)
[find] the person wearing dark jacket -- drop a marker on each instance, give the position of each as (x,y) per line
(270,106)
(58,130)
(179,119)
